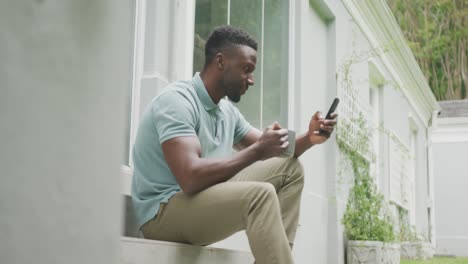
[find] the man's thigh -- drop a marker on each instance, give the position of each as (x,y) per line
(206,217)
(274,171)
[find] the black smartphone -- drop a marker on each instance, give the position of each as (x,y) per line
(332,109)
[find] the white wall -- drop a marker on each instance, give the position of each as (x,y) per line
(395,109)
(65,67)
(315,88)
(424,196)
(402,120)
(351,45)
(450,152)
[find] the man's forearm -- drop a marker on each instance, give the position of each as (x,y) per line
(302,144)
(206,172)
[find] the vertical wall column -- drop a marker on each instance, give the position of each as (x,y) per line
(430,165)
(65,67)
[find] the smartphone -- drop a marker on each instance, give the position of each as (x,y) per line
(332,109)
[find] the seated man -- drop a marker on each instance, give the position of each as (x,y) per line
(189,187)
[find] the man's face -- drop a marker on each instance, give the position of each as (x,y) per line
(238,71)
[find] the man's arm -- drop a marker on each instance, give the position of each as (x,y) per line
(313,136)
(252,136)
(194,173)
(304,141)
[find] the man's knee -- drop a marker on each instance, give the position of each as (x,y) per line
(262,191)
(296,164)
(265,188)
(295,169)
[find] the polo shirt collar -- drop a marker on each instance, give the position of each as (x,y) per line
(203,93)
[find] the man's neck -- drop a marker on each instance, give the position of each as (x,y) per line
(212,86)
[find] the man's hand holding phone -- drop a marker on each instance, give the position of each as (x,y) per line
(321,128)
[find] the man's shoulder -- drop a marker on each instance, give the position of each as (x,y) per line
(175,92)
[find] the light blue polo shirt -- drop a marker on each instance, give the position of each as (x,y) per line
(184,108)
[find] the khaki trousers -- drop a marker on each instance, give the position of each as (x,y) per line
(263,199)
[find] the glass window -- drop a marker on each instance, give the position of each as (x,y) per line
(275,63)
(267,22)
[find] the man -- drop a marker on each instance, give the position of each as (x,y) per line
(189,187)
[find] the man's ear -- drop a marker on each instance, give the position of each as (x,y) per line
(220,60)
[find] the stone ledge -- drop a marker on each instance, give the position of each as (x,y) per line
(145,251)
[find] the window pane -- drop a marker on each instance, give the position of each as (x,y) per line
(275,62)
(157,37)
(209,14)
(247,15)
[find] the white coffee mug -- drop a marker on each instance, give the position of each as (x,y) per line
(289,151)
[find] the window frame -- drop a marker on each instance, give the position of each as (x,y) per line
(182,12)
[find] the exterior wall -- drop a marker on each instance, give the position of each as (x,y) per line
(315,89)
(405,107)
(424,195)
(64,71)
(450,152)
(70,141)
(397,110)
(349,40)
(325,195)
(402,119)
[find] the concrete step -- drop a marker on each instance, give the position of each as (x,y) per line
(137,250)
(144,251)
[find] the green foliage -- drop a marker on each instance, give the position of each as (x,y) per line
(440,260)
(437,33)
(405,232)
(365,217)
(408,233)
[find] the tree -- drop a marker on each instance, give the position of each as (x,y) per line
(437,32)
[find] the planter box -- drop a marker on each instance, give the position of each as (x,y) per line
(373,252)
(364,252)
(416,250)
(391,253)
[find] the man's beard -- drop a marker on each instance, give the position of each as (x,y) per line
(234,97)
(232,91)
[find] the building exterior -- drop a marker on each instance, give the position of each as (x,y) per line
(78,75)
(309,53)
(449,144)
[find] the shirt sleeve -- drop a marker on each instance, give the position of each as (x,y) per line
(174,116)
(242,126)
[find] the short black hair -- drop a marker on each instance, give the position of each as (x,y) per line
(225,37)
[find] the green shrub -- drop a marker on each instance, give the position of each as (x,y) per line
(365,217)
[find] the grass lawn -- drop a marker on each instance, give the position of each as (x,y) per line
(437,261)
